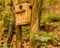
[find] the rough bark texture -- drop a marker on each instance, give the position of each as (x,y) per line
(18,37)
(36,14)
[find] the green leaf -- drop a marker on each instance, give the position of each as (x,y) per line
(47,46)
(54,17)
(37,37)
(44,39)
(53,36)
(4,13)
(42,33)
(6,21)
(27,31)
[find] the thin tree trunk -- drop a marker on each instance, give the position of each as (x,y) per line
(18,37)
(18,29)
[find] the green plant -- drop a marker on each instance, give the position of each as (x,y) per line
(44,37)
(42,33)
(41,38)
(53,2)
(53,36)
(4,13)
(6,22)
(47,46)
(50,2)
(27,31)
(9,2)
(53,17)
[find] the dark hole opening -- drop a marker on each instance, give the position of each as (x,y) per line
(20,6)
(30,7)
(2,42)
(1,38)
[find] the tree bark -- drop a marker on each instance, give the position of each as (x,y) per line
(18,37)
(18,29)
(35,22)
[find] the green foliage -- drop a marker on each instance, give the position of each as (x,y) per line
(53,17)
(50,2)
(46,19)
(44,37)
(53,2)
(6,22)
(27,31)
(4,13)
(9,2)
(42,33)
(47,46)
(53,36)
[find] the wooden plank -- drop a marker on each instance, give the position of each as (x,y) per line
(24,15)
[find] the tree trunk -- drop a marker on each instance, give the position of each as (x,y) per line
(18,37)
(18,29)
(35,22)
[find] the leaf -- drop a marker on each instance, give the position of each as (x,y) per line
(54,17)
(6,21)
(4,13)
(37,37)
(53,36)
(27,31)
(42,38)
(42,33)
(47,46)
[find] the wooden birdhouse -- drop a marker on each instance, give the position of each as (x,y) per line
(23,13)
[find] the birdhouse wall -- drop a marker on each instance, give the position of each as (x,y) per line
(24,7)
(20,19)
(24,15)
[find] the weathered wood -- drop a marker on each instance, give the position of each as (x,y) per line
(22,14)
